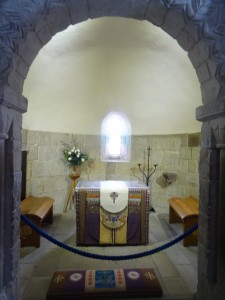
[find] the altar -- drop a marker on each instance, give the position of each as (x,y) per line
(112,213)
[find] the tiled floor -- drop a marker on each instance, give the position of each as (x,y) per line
(176,267)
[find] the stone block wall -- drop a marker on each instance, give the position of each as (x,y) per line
(48,174)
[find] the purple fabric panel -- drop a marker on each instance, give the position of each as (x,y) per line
(70,284)
(134,228)
(92,225)
(133,284)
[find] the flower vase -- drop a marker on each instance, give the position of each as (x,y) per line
(74,173)
(74,170)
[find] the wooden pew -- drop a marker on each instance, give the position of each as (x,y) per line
(185,210)
(39,210)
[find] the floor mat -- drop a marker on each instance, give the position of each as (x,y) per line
(104,284)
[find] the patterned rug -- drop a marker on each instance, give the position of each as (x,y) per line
(104,284)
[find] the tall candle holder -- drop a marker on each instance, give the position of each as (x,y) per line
(149,172)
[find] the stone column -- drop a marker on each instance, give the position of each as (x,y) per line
(211,259)
(2,151)
(208,214)
(10,189)
(221,227)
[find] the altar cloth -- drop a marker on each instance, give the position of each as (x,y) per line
(113,195)
(89,227)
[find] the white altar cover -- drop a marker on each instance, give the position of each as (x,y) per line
(113,195)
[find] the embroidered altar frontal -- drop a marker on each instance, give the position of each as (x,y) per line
(112,213)
(104,284)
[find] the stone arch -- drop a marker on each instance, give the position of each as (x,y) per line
(198,27)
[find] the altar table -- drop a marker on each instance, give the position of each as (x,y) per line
(90,214)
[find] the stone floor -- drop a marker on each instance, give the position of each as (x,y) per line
(176,267)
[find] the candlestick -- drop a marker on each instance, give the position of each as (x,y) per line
(149,173)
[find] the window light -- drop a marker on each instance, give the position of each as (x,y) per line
(116,137)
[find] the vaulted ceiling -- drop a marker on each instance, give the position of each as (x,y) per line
(112,64)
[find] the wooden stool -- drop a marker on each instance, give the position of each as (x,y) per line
(185,210)
(38,210)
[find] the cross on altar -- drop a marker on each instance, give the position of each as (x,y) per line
(114,195)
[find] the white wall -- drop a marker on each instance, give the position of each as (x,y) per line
(112,64)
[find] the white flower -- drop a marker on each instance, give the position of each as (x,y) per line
(74,156)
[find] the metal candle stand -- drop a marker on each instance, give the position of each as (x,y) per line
(149,173)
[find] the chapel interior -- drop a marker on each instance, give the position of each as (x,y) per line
(85,72)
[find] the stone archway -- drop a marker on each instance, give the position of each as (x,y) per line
(198,27)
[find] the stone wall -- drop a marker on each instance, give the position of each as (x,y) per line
(47,172)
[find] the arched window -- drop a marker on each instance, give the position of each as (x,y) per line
(116,137)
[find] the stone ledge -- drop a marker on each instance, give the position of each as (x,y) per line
(209,111)
(11,99)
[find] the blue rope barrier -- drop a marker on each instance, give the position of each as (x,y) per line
(109,257)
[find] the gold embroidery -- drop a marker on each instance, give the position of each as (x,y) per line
(113,227)
(150,275)
(59,278)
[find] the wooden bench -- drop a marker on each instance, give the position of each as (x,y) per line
(185,210)
(39,210)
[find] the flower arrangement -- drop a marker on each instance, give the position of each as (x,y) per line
(74,156)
